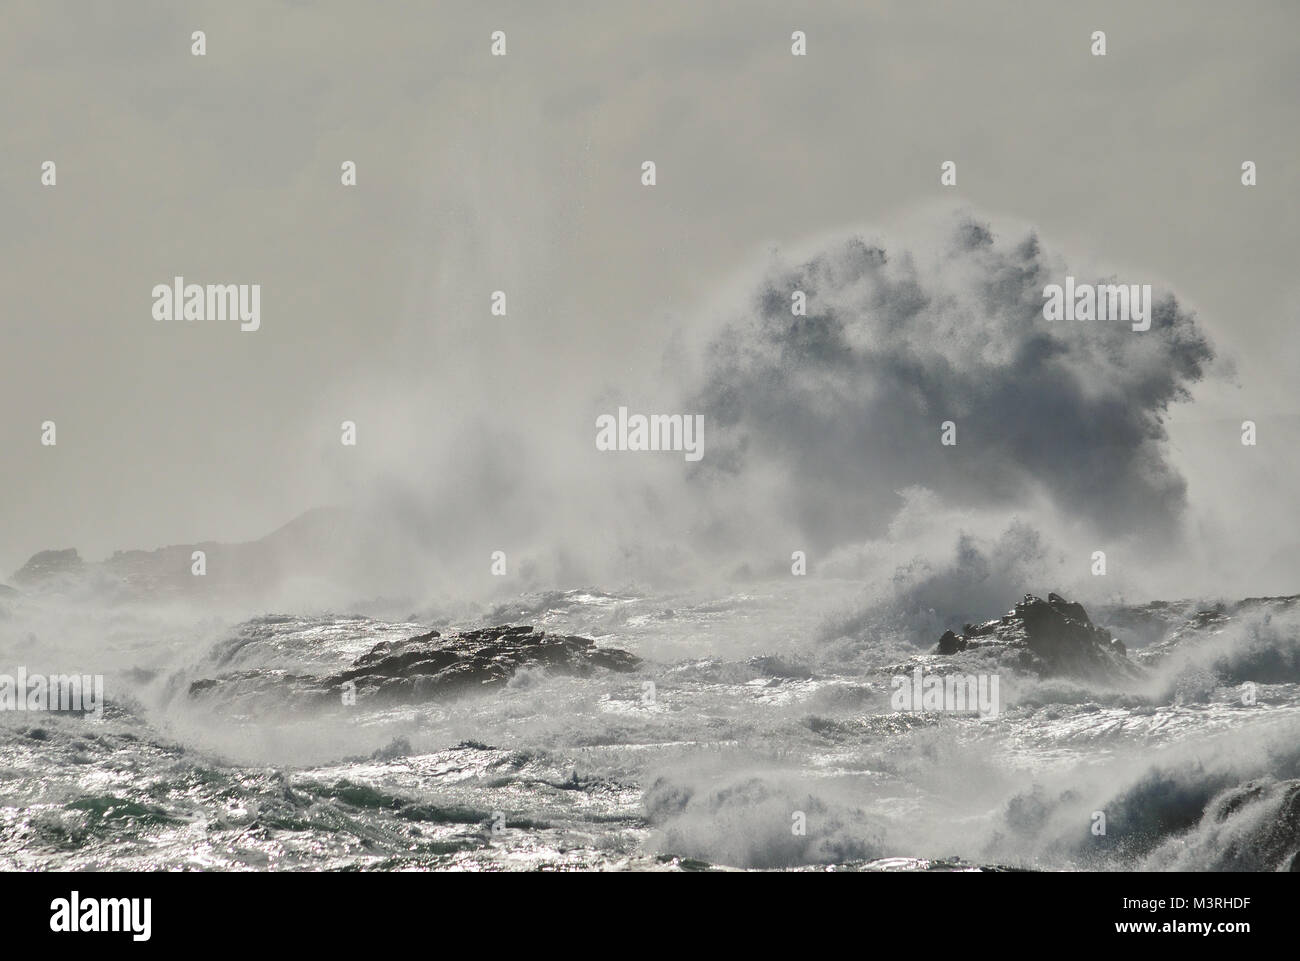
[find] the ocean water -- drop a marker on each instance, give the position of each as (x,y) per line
(757,733)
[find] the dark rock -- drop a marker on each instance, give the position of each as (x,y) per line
(1049,637)
(611,658)
(1070,609)
(950,643)
(431,666)
(1062,635)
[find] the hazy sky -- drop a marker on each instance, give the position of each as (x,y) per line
(522,173)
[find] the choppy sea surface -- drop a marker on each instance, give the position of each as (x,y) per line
(757,733)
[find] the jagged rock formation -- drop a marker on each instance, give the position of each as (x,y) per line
(432,666)
(1049,637)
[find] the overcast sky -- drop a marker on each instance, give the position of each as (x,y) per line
(522,173)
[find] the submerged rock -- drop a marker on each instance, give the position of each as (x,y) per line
(1050,637)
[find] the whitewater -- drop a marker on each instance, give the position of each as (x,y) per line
(360,689)
(747,712)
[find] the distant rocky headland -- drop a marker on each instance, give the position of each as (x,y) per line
(335,547)
(1048,637)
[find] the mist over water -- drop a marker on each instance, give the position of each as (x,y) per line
(821,432)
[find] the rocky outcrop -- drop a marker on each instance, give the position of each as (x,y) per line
(1049,637)
(431,666)
(951,643)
